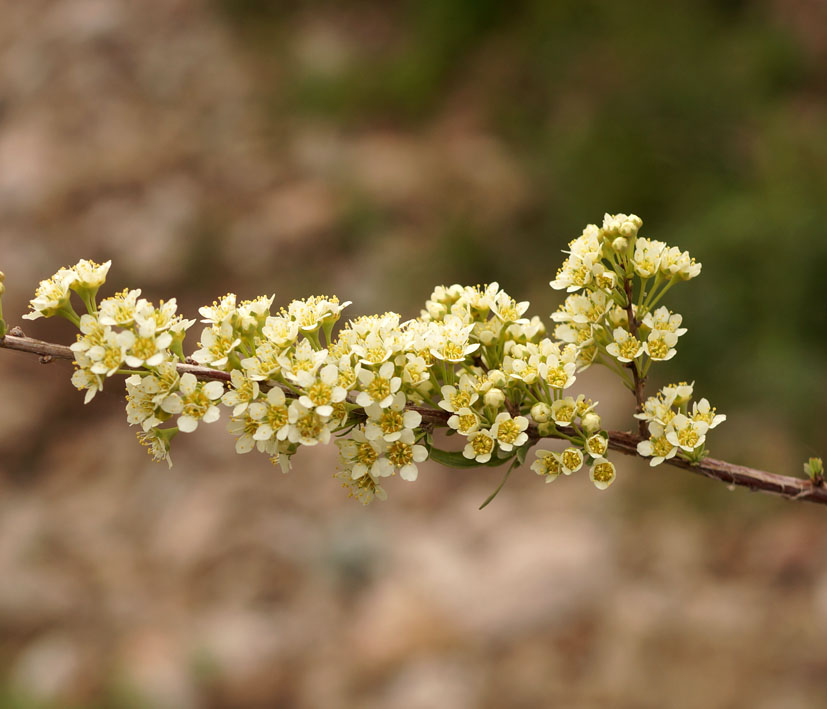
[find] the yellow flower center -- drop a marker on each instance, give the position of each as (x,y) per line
(379,388)
(629,348)
(277,416)
(508,431)
(661,447)
(319,393)
(467,422)
(400,454)
(572,458)
(365,454)
(453,351)
(658,349)
(391,421)
(144,347)
(565,413)
(557,378)
(309,425)
(460,400)
(482,444)
(688,437)
(604,472)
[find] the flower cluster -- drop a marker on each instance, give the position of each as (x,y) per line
(674,428)
(615,279)
(474,362)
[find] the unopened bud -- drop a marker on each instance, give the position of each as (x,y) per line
(541,412)
(590,422)
(620,244)
(496,377)
(494,398)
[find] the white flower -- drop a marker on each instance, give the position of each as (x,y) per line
(301,363)
(90,275)
(664,319)
(509,310)
(306,426)
(465,421)
(194,402)
(450,340)
(92,333)
(363,456)
(324,392)
(378,387)
(456,398)
(660,345)
(272,415)
(625,347)
(364,488)
(390,422)
(597,445)
(571,460)
(120,308)
(85,379)
(252,313)
(702,411)
(558,374)
(404,454)
(243,391)
(310,314)
(685,433)
(52,295)
(657,447)
(677,394)
(509,432)
(646,260)
(148,348)
(547,464)
(108,357)
(564,411)
(281,330)
(220,311)
(602,473)
(243,427)
(157,443)
(217,343)
(265,363)
(480,446)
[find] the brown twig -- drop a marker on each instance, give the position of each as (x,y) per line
(626,443)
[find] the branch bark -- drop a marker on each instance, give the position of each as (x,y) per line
(758,480)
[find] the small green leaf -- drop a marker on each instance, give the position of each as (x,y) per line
(452,459)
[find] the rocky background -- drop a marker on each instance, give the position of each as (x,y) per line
(373,150)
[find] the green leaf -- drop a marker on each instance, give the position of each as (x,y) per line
(452,459)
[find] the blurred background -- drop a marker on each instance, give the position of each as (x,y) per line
(373,150)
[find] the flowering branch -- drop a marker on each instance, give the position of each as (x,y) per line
(623,442)
(472,362)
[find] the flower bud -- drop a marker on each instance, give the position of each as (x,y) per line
(590,422)
(620,244)
(496,377)
(540,412)
(494,398)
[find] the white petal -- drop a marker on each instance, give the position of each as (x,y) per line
(187,424)
(213,390)
(408,472)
